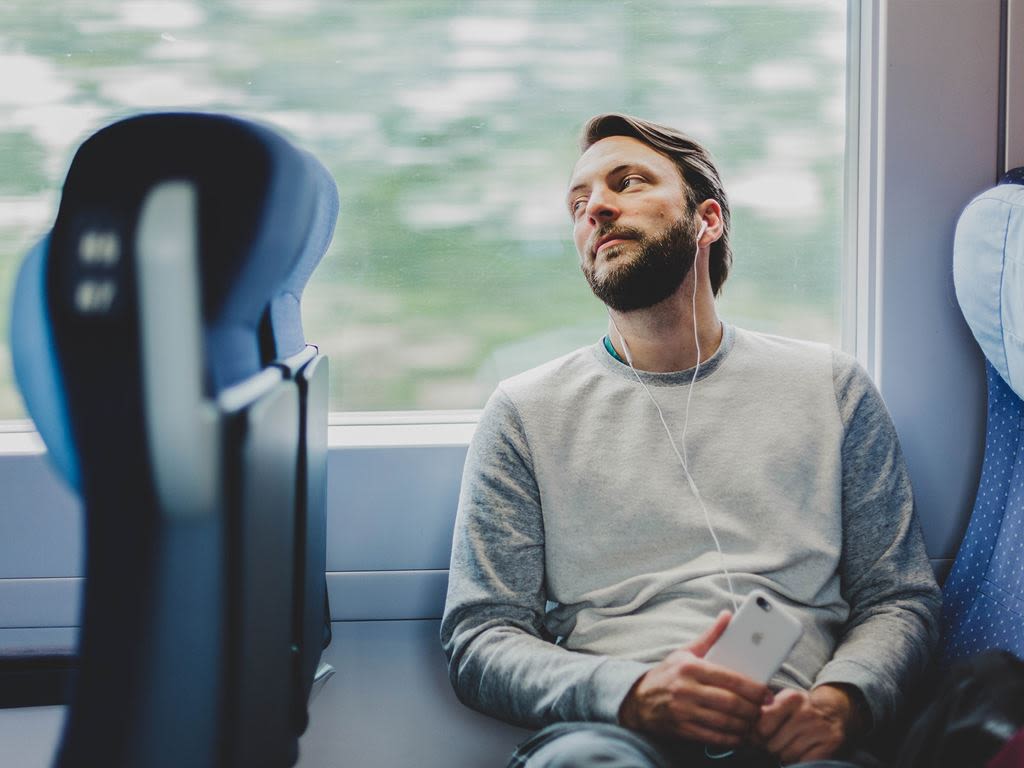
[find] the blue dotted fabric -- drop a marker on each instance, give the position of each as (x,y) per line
(1013,176)
(984,594)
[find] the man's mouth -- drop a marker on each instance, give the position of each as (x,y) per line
(609,240)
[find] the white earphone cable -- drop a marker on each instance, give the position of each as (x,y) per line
(682,456)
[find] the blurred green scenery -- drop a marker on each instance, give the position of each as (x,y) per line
(450,128)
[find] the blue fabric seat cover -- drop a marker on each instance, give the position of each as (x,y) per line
(984,593)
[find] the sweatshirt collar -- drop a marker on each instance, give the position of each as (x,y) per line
(610,360)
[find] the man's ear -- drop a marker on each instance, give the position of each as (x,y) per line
(711,212)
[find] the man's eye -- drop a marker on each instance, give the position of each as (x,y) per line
(630,180)
(577,204)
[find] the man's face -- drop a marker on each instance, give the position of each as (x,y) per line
(632,234)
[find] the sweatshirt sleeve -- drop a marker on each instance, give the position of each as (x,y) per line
(886,577)
(501,658)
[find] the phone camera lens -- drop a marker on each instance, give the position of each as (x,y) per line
(763,604)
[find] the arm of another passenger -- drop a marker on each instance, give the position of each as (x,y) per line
(886,578)
(501,659)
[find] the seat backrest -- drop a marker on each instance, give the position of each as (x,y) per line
(174,235)
(984,593)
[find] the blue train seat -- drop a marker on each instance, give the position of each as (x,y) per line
(144,344)
(984,593)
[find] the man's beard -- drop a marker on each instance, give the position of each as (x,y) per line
(654,274)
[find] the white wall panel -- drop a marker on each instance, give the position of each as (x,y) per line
(937,148)
(1015,84)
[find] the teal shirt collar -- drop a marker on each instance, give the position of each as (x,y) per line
(611,350)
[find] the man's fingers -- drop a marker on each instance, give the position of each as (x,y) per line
(728,702)
(775,715)
(795,733)
(702,644)
(721,677)
(784,743)
(720,721)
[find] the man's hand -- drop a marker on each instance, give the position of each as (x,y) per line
(798,726)
(688,697)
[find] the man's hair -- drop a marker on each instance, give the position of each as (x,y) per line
(700,176)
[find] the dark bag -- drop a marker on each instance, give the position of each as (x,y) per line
(977,708)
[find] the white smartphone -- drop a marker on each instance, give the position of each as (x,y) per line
(758,639)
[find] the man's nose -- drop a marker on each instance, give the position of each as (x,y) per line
(601,207)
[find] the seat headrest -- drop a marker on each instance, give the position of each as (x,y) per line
(988,271)
(266,212)
(258,199)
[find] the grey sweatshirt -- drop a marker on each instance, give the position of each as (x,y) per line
(581,557)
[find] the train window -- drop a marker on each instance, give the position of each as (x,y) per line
(450,128)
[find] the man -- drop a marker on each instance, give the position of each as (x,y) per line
(615,502)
